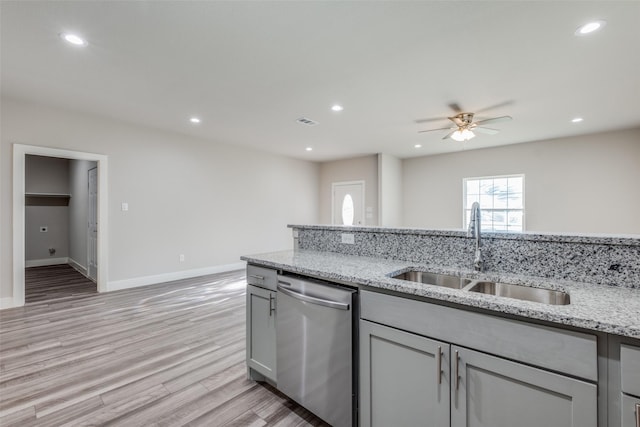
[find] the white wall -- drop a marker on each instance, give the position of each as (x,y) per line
(389,190)
(46,175)
(209,201)
(582,184)
(357,169)
(79,210)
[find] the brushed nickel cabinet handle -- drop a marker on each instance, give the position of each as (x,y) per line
(439,365)
(637,414)
(255,276)
(457,372)
(272,306)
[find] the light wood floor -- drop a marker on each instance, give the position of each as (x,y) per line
(163,355)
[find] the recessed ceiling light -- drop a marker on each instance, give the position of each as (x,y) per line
(194,120)
(577,120)
(418,146)
(309,149)
(337,107)
(590,27)
(74,39)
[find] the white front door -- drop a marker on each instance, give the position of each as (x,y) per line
(348,203)
(92,223)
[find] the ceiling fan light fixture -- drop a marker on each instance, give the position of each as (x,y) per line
(462,135)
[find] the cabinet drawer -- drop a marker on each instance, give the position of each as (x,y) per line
(630,366)
(569,352)
(630,411)
(263,277)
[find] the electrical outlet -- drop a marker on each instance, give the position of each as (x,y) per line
(181,257)
(44,229)
(125,206)
(348,238)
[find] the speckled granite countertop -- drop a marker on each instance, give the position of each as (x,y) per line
(602,308)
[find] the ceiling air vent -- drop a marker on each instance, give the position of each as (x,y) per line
(305,121)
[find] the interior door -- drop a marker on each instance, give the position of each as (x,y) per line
(92,224)
(348,203)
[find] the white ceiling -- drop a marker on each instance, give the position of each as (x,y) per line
(250,69)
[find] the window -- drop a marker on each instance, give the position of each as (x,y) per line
(347,210)
(501,201)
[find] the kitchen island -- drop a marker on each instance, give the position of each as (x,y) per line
(433,352)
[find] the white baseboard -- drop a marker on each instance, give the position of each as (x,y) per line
(6,302)
(168,277)
(45,261)
(78,267)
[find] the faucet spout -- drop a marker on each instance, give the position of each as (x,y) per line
(474,231)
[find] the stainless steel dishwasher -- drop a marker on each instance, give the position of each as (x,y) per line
(315,349)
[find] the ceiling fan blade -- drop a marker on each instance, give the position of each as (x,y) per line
(431,119)
(447,136)
(493,107)
(455,107)
(488,131)
(494,120)
(431,130)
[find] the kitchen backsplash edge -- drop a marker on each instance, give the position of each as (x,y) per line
(604,260)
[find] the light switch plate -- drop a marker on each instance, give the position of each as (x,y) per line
(125,207)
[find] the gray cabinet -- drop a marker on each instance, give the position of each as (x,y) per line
(404,378)
(630,411)
(494,392)
(477,381)
(261,333)
(630,385)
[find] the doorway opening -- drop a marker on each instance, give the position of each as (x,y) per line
(93,245)
(347,203)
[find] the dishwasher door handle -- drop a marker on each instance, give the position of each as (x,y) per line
(313,300)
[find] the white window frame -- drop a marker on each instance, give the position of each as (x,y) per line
(464,199)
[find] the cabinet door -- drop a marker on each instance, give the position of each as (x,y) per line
(630,369)
(494,392)
(404,378)
(261,331)
(630,411)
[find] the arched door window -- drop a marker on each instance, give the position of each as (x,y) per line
(347,210)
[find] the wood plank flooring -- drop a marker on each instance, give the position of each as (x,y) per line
(55,281)
(164,355)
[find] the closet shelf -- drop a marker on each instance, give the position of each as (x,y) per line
(46,199)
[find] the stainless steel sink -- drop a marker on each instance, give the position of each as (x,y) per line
(445,280)
(507,290)
(545,296)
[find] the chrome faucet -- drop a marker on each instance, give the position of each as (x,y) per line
(474,231)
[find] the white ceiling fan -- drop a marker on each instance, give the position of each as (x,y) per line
(464,125)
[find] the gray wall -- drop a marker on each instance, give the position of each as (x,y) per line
(46,175)
(389,191)
(581,184)
(208,200)
(79,210)
(357,169)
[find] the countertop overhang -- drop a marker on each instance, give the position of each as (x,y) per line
(602,308)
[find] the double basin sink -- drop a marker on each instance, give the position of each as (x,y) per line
(508,290)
